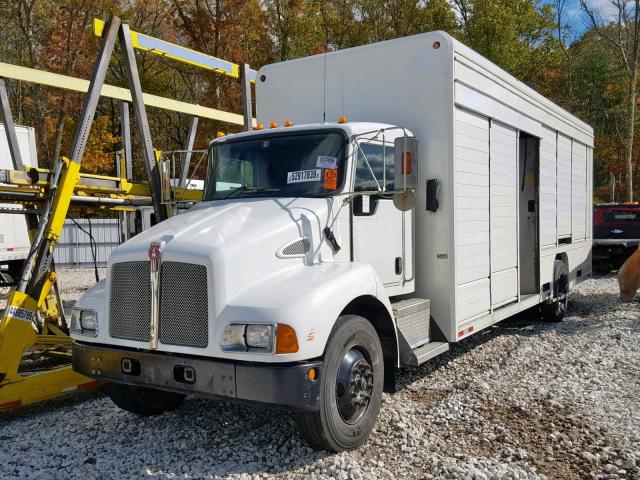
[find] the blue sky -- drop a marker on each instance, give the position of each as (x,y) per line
(577,19)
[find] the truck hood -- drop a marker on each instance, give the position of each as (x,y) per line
(239,241)
(259,225)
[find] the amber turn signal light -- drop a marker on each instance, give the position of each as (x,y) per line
(406,163)
(286,340)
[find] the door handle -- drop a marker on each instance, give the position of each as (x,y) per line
(398,265)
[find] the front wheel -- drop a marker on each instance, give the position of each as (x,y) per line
(143,400)
(555,310)
(350,388)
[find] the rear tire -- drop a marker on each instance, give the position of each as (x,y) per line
(143,400)
(351,383)
(555,310)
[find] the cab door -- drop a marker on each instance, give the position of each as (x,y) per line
(382,233)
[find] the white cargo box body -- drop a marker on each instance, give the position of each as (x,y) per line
(480,132)
(14,238)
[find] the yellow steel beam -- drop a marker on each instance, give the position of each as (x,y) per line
(56,80)
(179,53)
(20,181)
(24,390)
(53,339)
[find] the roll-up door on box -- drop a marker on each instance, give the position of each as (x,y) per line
(472,215)
(564,187)
(547,194)
(503,191)
(578,191)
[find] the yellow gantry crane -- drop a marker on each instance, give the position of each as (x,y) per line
(47,196)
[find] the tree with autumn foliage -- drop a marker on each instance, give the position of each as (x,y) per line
(528,38)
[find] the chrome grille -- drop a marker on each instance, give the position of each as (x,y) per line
(183,304)
(130,301)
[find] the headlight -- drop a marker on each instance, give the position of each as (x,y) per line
(233,338)
(259,336)
(84,322)
(239,337)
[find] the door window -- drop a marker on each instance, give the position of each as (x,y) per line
(374,167)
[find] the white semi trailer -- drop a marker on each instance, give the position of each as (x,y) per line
(14,238)
(327,253)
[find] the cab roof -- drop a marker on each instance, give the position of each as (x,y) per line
(350,128)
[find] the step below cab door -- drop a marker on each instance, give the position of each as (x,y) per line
(382,232)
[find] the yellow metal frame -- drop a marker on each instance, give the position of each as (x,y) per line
(18,181)
(31,75)
(187,55)
(17,332)
(17,325)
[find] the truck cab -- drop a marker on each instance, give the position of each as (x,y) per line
(275,289)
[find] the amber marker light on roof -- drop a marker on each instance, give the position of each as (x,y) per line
(273,125)
(259,126)
(342,120)
(288,123)
(220,134)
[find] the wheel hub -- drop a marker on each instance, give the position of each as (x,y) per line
(354,385)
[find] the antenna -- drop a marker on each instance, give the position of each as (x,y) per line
(342,91)
(324,87)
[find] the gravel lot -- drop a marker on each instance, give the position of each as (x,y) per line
(519,400)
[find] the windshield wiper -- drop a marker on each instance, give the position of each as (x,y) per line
(244,188)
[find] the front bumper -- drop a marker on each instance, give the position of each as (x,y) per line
(283,385)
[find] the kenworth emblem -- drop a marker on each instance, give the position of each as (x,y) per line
(155,255)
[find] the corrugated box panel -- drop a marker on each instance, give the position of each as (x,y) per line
(579,192)
(564,186)
(472,214)
(504,191)
(472,300)
(504,287)
(548,187)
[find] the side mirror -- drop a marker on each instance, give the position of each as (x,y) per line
(406,163)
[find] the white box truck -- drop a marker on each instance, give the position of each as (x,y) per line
(14,237)
(330,251)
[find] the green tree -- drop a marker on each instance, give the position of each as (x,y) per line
(623,35)
(515,34)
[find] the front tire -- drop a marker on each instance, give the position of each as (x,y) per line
(351,385)
(143,400)
(555,310)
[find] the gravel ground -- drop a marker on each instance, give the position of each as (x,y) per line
(519,400)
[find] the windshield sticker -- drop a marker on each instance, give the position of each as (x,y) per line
(326,162)
(330,179)
(304,176)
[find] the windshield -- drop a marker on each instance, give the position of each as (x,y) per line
(304,164)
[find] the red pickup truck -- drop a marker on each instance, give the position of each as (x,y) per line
(616,233)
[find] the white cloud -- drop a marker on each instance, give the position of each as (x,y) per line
(605,10)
